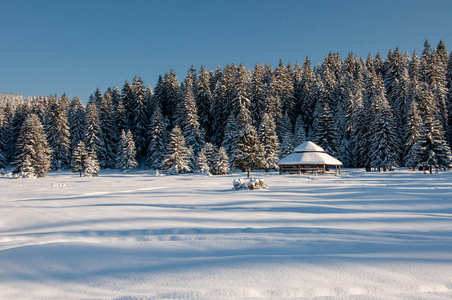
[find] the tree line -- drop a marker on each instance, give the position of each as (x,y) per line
(376,113)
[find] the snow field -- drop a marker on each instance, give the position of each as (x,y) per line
(140,236)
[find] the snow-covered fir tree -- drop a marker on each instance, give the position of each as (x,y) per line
(222,164)
(109,129)
(93,134)
(126,157)
(204,101)
(92,165)
(203,166)
(33,153)
(269,142)
(140,116)
(299,135)
(79,157)
(385,143)
(77,122)
(157,139)
(431,149)
(3,126)
(286,136)
(58,133)
(189,121)
(176,158)
(248,152)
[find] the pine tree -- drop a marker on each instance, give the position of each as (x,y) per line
(189,123)
(412,129)
(79,157)
(299,135)
(229,134)
(58,133)
(203,166)
(176,160)
(77,122)
(222,165)
(385,143)
(109,129)
(431,149)
(269,141)
(204,101)
(248,153)
(157,136)
(33,153)
(122,119)
(325,131)
(140,118)
(286,136)
(3,122)
(94,136)
(92,165)
(449,98)
(126,158)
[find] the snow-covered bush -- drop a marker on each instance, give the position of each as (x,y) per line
(251,184)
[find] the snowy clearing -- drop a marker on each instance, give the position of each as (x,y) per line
(139,236)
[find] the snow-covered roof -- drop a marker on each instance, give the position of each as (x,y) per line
(308,147)
(309,153)
(310,158)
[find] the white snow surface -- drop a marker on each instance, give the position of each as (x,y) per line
(135,235)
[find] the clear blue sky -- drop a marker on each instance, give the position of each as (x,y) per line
(56,46)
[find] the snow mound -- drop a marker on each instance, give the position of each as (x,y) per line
(251,184)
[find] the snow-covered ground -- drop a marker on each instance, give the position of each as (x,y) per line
(141,236)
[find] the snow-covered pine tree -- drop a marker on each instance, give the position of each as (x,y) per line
(140,116)
(192,160)
(189,120)
(203,166)
(385,143)
(258,94)
(3,122)
(230,131)
(32,149)
(92,165)
(412,128)
(93,138)
(109,129)
(222,165)
(431,148)
(204,101)
(299,135)
(122,119)
(157,139)
(79,157)
(286,136)
(269,142)
(304,93)
(126,157)
(325,131)
(57,130)
(436,78)
(449,98)
(248,153)
(176,158)
(211,153)
(77,122)
(283,88)
(171,97)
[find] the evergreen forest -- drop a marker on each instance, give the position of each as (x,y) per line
(377,113)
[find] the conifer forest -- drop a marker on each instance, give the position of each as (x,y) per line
(377,113)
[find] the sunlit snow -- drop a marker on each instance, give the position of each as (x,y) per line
(135,235)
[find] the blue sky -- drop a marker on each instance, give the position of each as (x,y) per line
(49,47)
